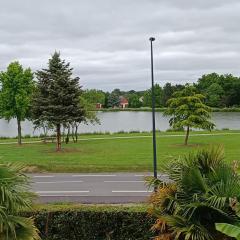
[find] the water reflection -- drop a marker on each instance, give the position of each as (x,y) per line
(123,121)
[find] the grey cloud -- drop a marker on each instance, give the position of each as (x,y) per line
(107,41)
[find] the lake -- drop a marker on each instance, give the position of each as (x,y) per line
(124,121)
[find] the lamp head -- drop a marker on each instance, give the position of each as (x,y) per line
(151,39)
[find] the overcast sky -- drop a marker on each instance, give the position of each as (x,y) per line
(106,41)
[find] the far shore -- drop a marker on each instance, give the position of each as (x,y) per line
(148,109)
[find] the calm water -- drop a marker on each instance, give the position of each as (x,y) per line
(126,121)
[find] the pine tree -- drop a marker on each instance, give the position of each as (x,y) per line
(57,97)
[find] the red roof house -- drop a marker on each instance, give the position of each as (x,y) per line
(123,102)
(98,106)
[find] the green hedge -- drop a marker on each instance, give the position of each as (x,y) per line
(100,223)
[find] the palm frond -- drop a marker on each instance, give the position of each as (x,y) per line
(14,197)
(206,190)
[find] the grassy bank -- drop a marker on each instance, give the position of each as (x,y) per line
(115,152)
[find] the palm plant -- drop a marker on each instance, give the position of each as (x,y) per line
(229,230)
(201,190)
(15,197)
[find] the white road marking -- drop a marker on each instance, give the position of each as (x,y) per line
(148,175)
(58,182)
(124,181)
(44,176)
(46,192)
(128,191)
(94,175)
(56,195)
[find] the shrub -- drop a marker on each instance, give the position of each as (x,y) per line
(100,223)
(202,190)
(27,136)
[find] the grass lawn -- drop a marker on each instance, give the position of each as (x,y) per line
(127,152)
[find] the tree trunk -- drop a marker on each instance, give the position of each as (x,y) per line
(19,132)
(58,148)
(45,133)
(67,136)
(73,135)
(186,137)
(76,132)
(63,135)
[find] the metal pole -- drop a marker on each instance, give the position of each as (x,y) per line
(153,115)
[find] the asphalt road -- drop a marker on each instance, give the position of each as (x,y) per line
(91,187)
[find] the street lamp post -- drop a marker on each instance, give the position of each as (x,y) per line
(153,114)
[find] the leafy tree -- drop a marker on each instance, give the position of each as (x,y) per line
(94,96)
(187,110)
(134,101)
(168,90)
(107,94)
(214,95)
(201,190)
(14,197)
(227,87)
(15,96)
(147,98)
(131,92)
(113,100)
(117,92)
(231,87)
(89,117)
(167,93)
(207,80)
(57,98)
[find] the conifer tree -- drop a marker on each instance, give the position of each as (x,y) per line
(57,97)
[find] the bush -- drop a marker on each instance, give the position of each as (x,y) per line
(202,190)
(100,223)
(27,136)
(175,130)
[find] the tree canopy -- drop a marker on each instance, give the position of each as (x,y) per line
(57,97)
(222,90)
(94,96)
(17,86)
(187,110)
(147,97)
(113,99)
(134,101)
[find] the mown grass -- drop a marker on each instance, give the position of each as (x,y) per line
(106,153)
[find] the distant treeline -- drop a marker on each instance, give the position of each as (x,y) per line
(221,91)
